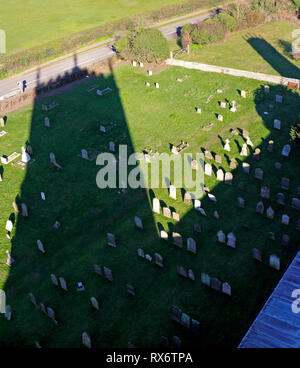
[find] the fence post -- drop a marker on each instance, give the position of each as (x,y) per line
(171,55)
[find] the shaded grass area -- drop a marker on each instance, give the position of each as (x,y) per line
(142,118)
(265,49)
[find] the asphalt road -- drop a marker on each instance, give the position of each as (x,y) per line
(9,86)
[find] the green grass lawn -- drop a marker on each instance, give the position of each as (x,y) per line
(142,118)
(264,49)
(31,23)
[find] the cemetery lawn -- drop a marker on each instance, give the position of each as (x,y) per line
(51,20)
(264,49)
(142,118)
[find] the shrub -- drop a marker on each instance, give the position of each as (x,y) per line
(228,22)
(185,40)
(144,45)
(187,28)
(295,135)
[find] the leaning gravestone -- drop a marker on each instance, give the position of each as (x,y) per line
(158,259)
(191,275)
(43,308)
(97,269)
(40,246)
(86,340)
(197,228)
(191,245)
(257,254)
(94,302)
(54,279)
(275,262)
(176,313)
(182,271)
(63,283)
(108,274)
(138,222)
(32,299)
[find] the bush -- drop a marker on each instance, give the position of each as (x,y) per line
(228,22)
(144,45)
(185,40)
(295,135)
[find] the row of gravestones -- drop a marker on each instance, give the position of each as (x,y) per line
(274,260)
(187,273)
(231,238)
(177,240)
(215,284)
(46,310)
(158,259)
(184,319)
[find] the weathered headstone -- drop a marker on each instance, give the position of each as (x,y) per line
(226,288)
(208,169)
(270,147)
(107,274)
(228,178)
(172,192)
(97,269)
(218,159)
(232,164)
(164,235)
(277,124)
(94,302)
(256,154)
(86,340)
(33,299)
(244,151)
(111,240)
(275,262)
(197,228)
(296,204)
(140,253)
(265,192)
(130,289)
(227,146)
(260,208)
(281,199)
(285,183)
(182,271)
(205,279)
(156,205)
(84,154)
(215,284)
(241,202)
(40,246)
(63,283)
(191,245)
(177,239)
(285,241)
(175,216)
(220,175)
(166,212)
(231,240)
(258,174)
(208,155)
(187,198)
(221,236)
(138,222)
(246,167)
(158,259)
(286,150)
(54,279)
(257,254)
(270,213)
(285,219)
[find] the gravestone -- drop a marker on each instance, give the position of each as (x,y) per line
(15,207)
(220,117)
(221,236)
(226,288)
(286,150)
(218,159)
(194,165)
(285,183)
(63,283)
(97,269)
(107,274)
(40,246)
(138,222)
(271,236)
(275,262)
(244,151)
(166,212)
(2,122)
(257,254)
(285,219)
(215,284)
(32,299)
(281,199)
(149,72)
(245,134)
(278,98)
(176,313)
(232,164)
(164,235)
(270,147)
(256,154)
(212,197)
(258,174)
(177,239)
(208,155)
(86,340)
(231,240)
(133,63)
(223,105)
(43,308)
(187,198)
(185,320)
(148,257)
(208,169)
(227,145)
(111,240)
(270,213)
(140,253)
(158,259)
(130,289)
(277,124)
(241,202)
(112,146)
(9,226)
(243,94)
(147,84)
(47,122)
(51,313)
(246,167)
(175,216)
(84,154)
(198,110)
(94,302)
(176,342)
(205,279)
(54,279)
(191,275)
(249,142)
(220,175)
(156,205)
(8,312)
(267,89)
(172,192)
(260,208)
(156,85)
(182,271)
(265,192)
(277,166)
(141,64)
(296,204)
(197,204)
(191,245)
(216,215)
(228,178)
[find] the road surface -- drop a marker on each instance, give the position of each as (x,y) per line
(9,86)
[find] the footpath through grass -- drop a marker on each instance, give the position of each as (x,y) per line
(142,118)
